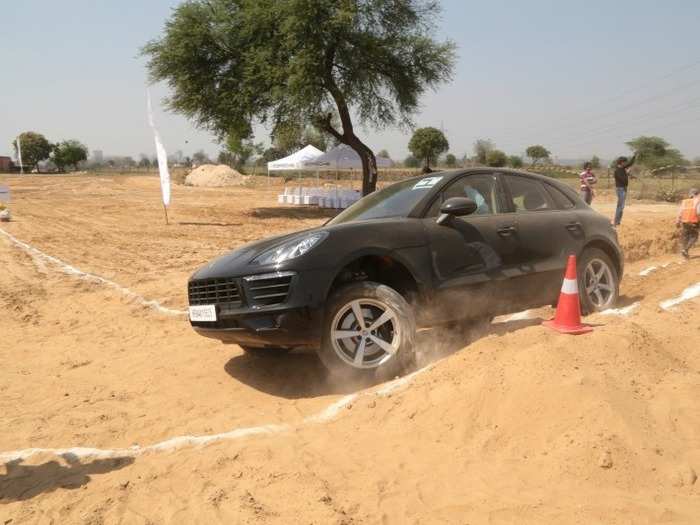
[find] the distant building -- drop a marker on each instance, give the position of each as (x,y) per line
(97,156)
(6,164)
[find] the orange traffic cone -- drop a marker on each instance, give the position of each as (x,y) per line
(568,317)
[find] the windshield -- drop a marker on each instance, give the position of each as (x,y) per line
(396,200)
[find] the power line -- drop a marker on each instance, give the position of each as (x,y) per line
(686,106)
(623,93)
(660,126)
(624,109)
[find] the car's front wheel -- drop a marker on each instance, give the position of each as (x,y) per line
(369,331)
(598,282)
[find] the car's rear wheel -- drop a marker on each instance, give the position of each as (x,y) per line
(368,332)
(598,282)
(266,352)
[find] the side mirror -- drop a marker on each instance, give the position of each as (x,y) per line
(456,207)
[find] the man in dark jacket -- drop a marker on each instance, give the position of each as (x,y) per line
(621,183)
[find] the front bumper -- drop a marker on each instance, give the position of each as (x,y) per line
(291,328)
(293,323)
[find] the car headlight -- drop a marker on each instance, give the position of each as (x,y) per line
(290,249)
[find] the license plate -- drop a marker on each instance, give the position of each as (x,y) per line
(204,312)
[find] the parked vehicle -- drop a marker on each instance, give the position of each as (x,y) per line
(456,246)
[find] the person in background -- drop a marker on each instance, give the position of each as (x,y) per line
(621,183)
(689,219)
(588,179)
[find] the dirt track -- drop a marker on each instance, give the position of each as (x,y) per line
(512,428)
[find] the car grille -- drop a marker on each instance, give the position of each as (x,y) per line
(214,291)
(268,289)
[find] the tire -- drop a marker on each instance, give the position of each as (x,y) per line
(598,281)
(266,352)
(378,361)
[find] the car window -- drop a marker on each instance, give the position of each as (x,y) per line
(481,189)
(561,201)
(528,194)
(397,200)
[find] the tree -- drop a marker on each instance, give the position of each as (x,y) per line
(286,137)
(481,150)
(289,137)
(496,158)
(231,63)
(35,148)
(241,151)
(315,138)
(68,153)
(225,157)
(272,153)
(384,154)
(450,160)
(427,144)
(145,162)
(655,152)
(514,161)
(595,162)
(128,162)
(200,158)
(537,153)
(411,162)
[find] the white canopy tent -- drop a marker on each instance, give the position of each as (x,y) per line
(295,161)
(343,157)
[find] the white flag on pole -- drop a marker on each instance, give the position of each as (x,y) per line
(161,154)
(19,154)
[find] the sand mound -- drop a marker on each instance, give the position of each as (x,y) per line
(647,238)
(213,176)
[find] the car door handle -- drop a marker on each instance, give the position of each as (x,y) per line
(506,231)
(573,226)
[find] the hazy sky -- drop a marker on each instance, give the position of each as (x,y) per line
(578,77)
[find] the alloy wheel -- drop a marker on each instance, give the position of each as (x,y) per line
(365,333)
(599,284)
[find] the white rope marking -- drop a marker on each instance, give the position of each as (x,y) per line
(689,293)
(41,257)
(164,446)
(647,271)
(327,414)
(627,310)
(400,382)
(519,316)
(330,412)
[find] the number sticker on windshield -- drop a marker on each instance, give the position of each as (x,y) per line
(428,182)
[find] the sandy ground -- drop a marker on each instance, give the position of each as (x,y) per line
(520,425)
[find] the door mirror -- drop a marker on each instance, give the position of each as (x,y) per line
(456,207)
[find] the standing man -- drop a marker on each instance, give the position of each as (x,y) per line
(621,183)
(688,219)
(588,179)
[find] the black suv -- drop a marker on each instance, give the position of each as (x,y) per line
(451,247)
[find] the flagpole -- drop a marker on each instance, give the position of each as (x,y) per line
(162,159)
(19,155)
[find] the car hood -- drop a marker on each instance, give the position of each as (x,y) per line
(238,261)
(345,240)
